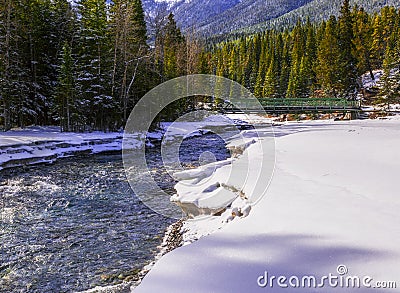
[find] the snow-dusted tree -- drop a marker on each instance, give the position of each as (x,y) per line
(390,81)
(7,56)
(14,75)
(65,93)
(93,72)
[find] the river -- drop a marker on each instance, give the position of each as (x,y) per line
(76,224)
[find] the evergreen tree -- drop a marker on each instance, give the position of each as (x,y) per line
(243,60)
(65,94)
(173,47)
(310,57)
(9,65)
(348,72)
(263,63)
(270,85)
(254,62)
(296,84)
(328,67)
(363,41)
(377,46)
(390,81)
(232,64)
(94,64)
(285,67)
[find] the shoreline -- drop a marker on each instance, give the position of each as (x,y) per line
(50,145)
(173,238)
(299,224)
(38,145)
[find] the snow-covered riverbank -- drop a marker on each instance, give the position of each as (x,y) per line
(36,144)
(332,205)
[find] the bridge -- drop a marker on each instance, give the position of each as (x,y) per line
(292,106)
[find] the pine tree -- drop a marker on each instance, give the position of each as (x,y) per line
(270,85)
(254,62)
(378,45)
(310,57)
(285,67)
(263,62)
(7,29)
(348,71)
(94,64)
(173,47)
(296,84)
(328,67)
(363,41)
(243,60)
(65,94)
(232,64)
(390,81)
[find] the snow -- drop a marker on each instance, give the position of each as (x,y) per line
(34,145)
(195,124)
(210,188)
(333,200)
(368,82)
(37,144)
(171,3)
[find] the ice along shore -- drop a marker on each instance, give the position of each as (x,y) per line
(331,208)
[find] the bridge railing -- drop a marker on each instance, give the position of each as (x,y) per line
(288,103)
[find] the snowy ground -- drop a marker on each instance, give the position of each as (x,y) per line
(36,144)
(332,207)
(333,201)
(45,144)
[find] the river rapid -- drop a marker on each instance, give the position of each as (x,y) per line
(76,224)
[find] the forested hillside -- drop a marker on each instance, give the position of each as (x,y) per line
(324,60)
(82,66)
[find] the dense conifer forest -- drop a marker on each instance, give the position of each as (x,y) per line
(324,59)
(81,66)
(84,66)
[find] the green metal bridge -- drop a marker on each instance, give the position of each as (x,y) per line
(289,106)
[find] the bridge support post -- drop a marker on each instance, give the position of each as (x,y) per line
(354,115)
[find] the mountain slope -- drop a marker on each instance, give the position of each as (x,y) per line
(248,13)
(219,17)
(318,10)
(191,12)
(212,17)
(194,13)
